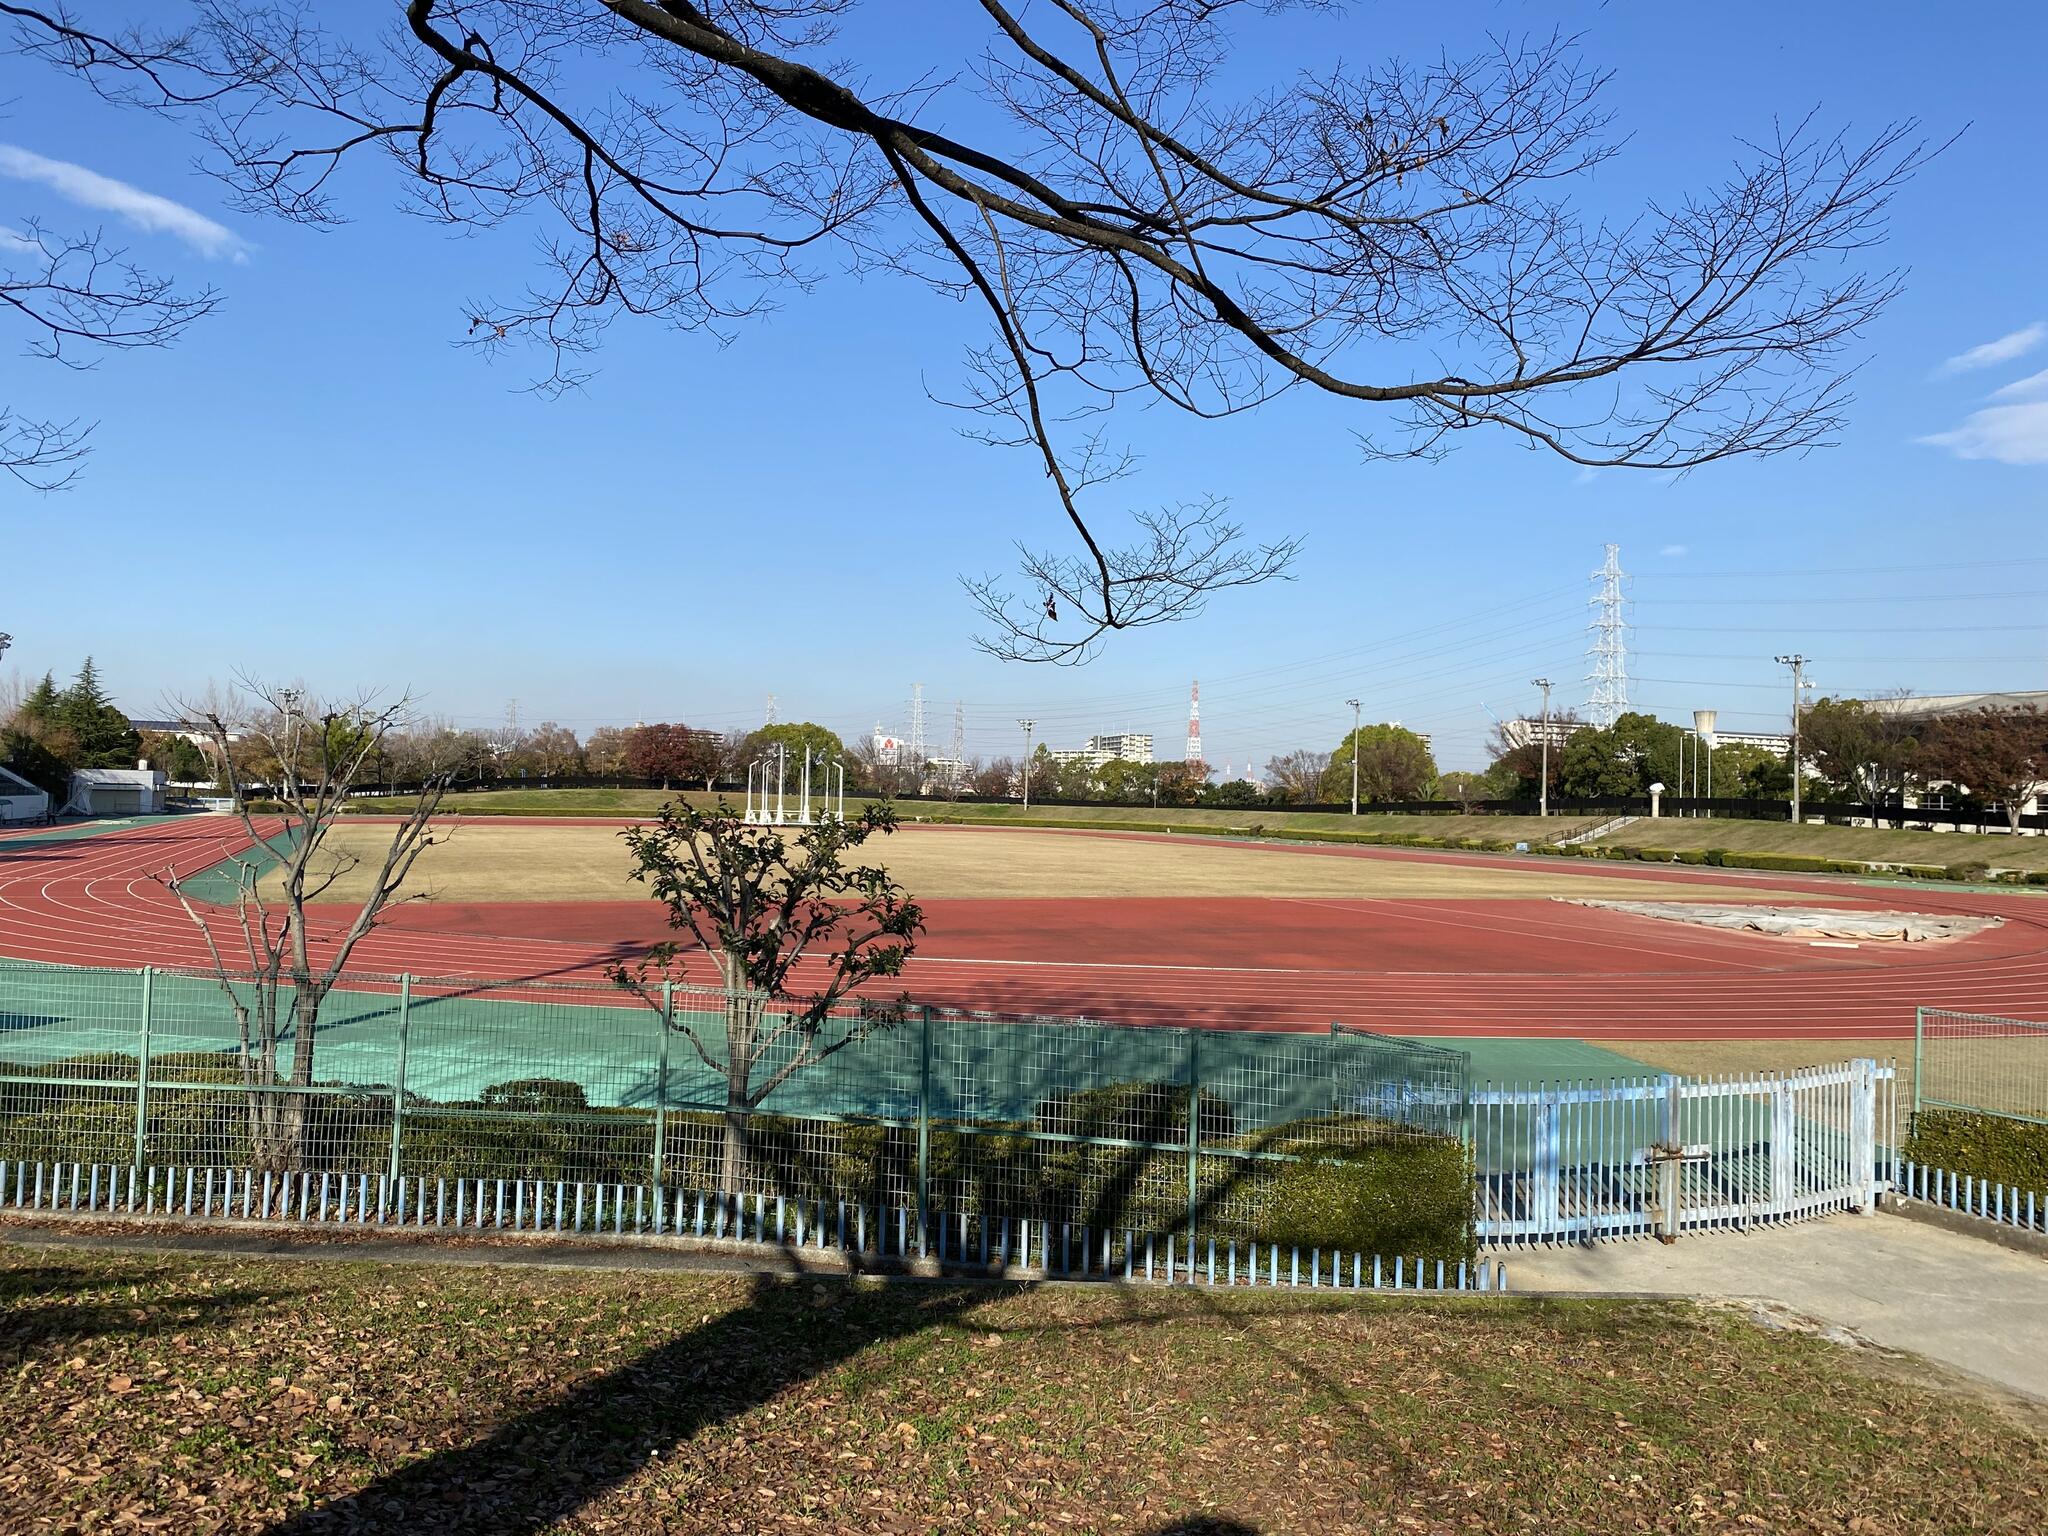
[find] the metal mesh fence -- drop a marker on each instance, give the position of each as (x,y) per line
(1981,1063)
(1105,1128)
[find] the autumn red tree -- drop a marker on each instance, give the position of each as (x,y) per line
(668,752)
(1997,755)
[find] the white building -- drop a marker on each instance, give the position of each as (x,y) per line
(115,792)
(21,800)
(1131,746)
(1101,751)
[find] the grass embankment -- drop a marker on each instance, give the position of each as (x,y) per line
(646,802)
(1883,845)
(1855,845)
(224,1395)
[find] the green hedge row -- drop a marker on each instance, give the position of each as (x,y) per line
(2005,1151)
(1338,1182)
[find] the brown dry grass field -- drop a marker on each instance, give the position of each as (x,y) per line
(217,1394)
(498,861)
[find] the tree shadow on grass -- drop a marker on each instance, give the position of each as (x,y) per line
(543,1466)
(55,1306)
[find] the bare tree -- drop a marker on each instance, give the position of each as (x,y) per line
(759,904)
(281,971)
(1396,235)
(1300,773)
(77,296)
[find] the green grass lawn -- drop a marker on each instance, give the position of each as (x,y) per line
(225,1394)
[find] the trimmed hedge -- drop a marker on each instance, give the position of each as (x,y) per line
(2005,1151)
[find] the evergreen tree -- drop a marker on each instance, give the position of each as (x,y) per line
(100,733)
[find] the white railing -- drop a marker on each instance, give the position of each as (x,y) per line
(2002,1205)
(1635,1157)
(970,1245)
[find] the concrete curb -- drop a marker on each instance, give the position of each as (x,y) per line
(2016,1238)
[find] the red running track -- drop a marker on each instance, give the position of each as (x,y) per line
(1480,967)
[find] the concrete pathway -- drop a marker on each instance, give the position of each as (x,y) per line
(1958,1299)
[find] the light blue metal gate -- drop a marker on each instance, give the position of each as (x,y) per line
(1656,1156)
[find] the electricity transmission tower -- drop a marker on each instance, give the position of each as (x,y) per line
(1194,723)
(1609,650)
(917,757)
(769,717)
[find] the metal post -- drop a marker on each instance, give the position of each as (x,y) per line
(1354,755)
(398,1085)
(1919,1060)
(1798,665)
(1669,1180)
(924,1127)
(142,1070)
(1194,1128)
(1543,774)
(668,990)
(1027,724)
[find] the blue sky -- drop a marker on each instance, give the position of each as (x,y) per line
(316,482)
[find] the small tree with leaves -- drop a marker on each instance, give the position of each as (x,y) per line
(282,969)
(760,904)
(1997,755)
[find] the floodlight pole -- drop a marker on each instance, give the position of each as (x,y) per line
(1028,725)
(1354,755)
(805,816)
(1797,663)
(1543,779)
(781,778)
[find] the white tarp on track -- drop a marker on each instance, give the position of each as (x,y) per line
(1803,922)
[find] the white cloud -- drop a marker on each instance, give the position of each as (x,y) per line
(2023,389)
(1675,551)
(2009,346)
(145,210)
(1586,476)
(2010,434)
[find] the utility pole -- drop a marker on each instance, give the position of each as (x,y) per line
(1027,724)
(1354,755)
(1798,665)
(1543,779)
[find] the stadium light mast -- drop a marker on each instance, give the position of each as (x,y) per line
(1028,725)
(1797,663)
(1543,780)
(1354,755)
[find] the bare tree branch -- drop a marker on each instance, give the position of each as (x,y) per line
(1399,236)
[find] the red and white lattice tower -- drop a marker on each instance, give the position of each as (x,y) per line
(1194,722)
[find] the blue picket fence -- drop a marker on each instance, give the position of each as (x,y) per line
(2000,1204)
(971,1245)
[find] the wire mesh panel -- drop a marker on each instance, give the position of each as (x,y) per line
(64,1013)
(525,1079)
(1980,1062)
(69,1053)
(1062,1120)
(962,1121)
